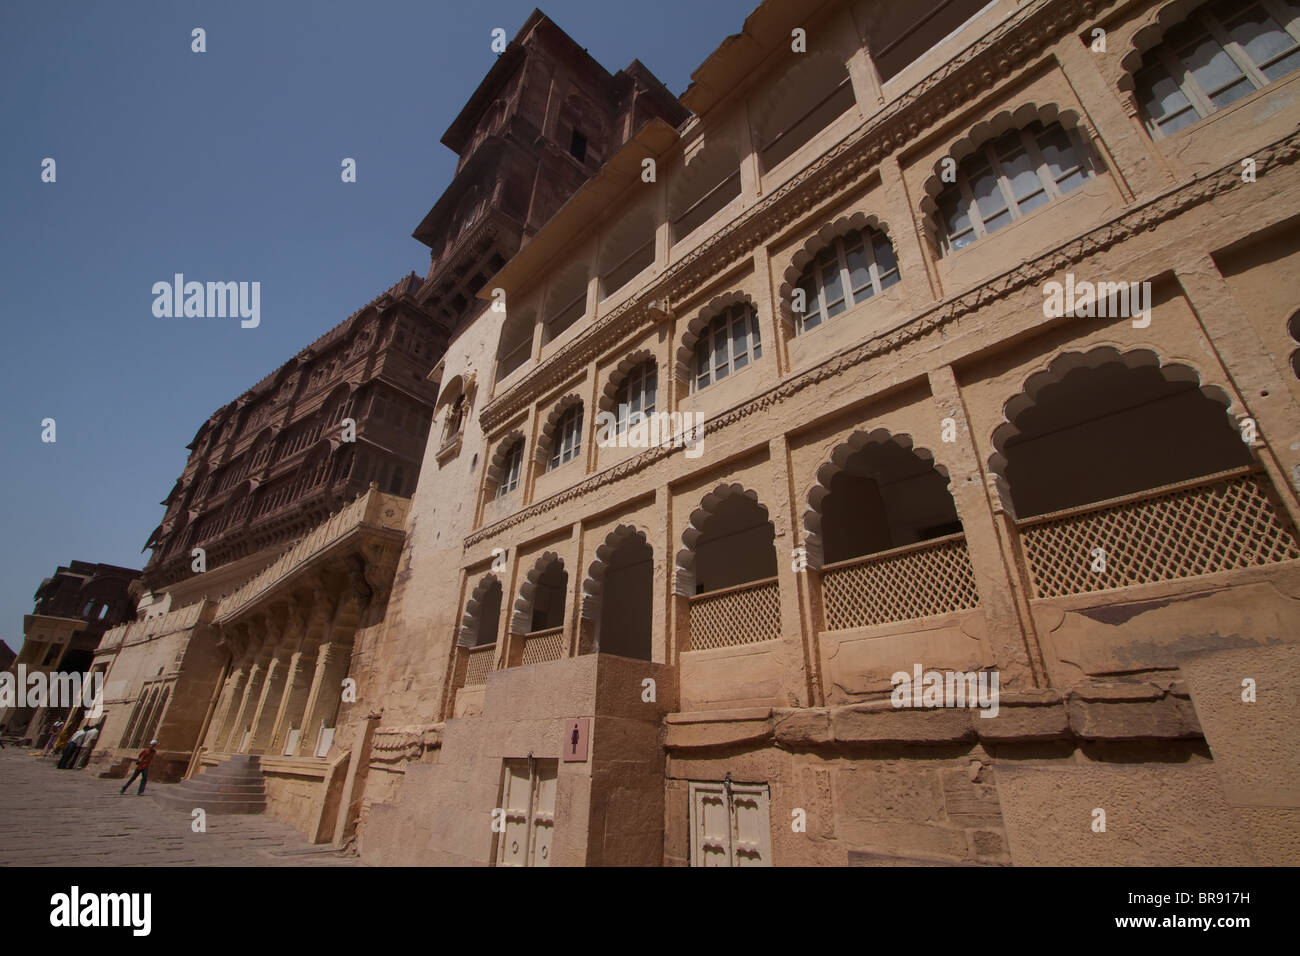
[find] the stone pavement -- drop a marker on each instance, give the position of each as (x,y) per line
(52,817)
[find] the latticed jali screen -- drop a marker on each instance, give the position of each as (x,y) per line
(480,663)
(1216,524)
(900,585)
(743,615)
(544,646)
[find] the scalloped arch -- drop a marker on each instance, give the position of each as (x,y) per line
(546,436)
(470,619)
(1157,23)
(823,237)
(449,392)
(1053,371)
(684,572)
(522,616)
(838,461)
(593,584)
(686,349)
(498,461)
(991,128)
(609,394)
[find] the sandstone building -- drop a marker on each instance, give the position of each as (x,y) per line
(296,493)
(73,610)
(600,648)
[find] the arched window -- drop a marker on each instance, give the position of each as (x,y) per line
(511,467)
(1222,52)
(727,344)
(637,394)
(1009,177)
(852,269)
(568,437)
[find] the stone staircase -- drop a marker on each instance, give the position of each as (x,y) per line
(232,786)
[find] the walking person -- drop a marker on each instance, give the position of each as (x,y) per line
(70,750)
(142,763)
(87,745)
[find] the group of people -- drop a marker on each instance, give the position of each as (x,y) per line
(76,752)
(77,749)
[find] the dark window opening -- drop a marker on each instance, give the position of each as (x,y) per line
(578,146)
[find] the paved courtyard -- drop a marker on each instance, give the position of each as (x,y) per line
(51,817)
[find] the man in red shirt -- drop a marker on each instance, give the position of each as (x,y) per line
(142,763)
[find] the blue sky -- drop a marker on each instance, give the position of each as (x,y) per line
(221,165)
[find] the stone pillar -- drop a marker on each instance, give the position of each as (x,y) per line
(1003,589)
(332,662)
(268,705)
(866,82)
(308,621)
(573,599)
(660,615)
(907,230)
(1260,388)
(220,728)
(252,690)
(794,637)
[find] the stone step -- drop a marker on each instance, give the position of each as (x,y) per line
(233,786)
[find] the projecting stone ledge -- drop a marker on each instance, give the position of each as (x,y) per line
(1122,711)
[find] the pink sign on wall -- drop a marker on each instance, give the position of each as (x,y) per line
(574,745)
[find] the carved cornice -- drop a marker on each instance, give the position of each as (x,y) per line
(1008,47)
(1148,215)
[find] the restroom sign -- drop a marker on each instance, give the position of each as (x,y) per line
(574,745)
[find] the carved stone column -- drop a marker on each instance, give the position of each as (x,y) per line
(268,702)
(313,615)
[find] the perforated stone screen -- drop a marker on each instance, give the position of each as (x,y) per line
(1218,523)
(480,663)
(544,646)
(900,585)
(741,615)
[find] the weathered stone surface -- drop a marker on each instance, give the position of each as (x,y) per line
(870,723)
(716,734)
(1022,724)
(1168,718)
(1116,690)
(802,728)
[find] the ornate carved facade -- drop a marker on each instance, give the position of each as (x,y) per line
(910,464)
(74,609)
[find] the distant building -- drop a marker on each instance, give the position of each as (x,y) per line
(248,656)
(74,608)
